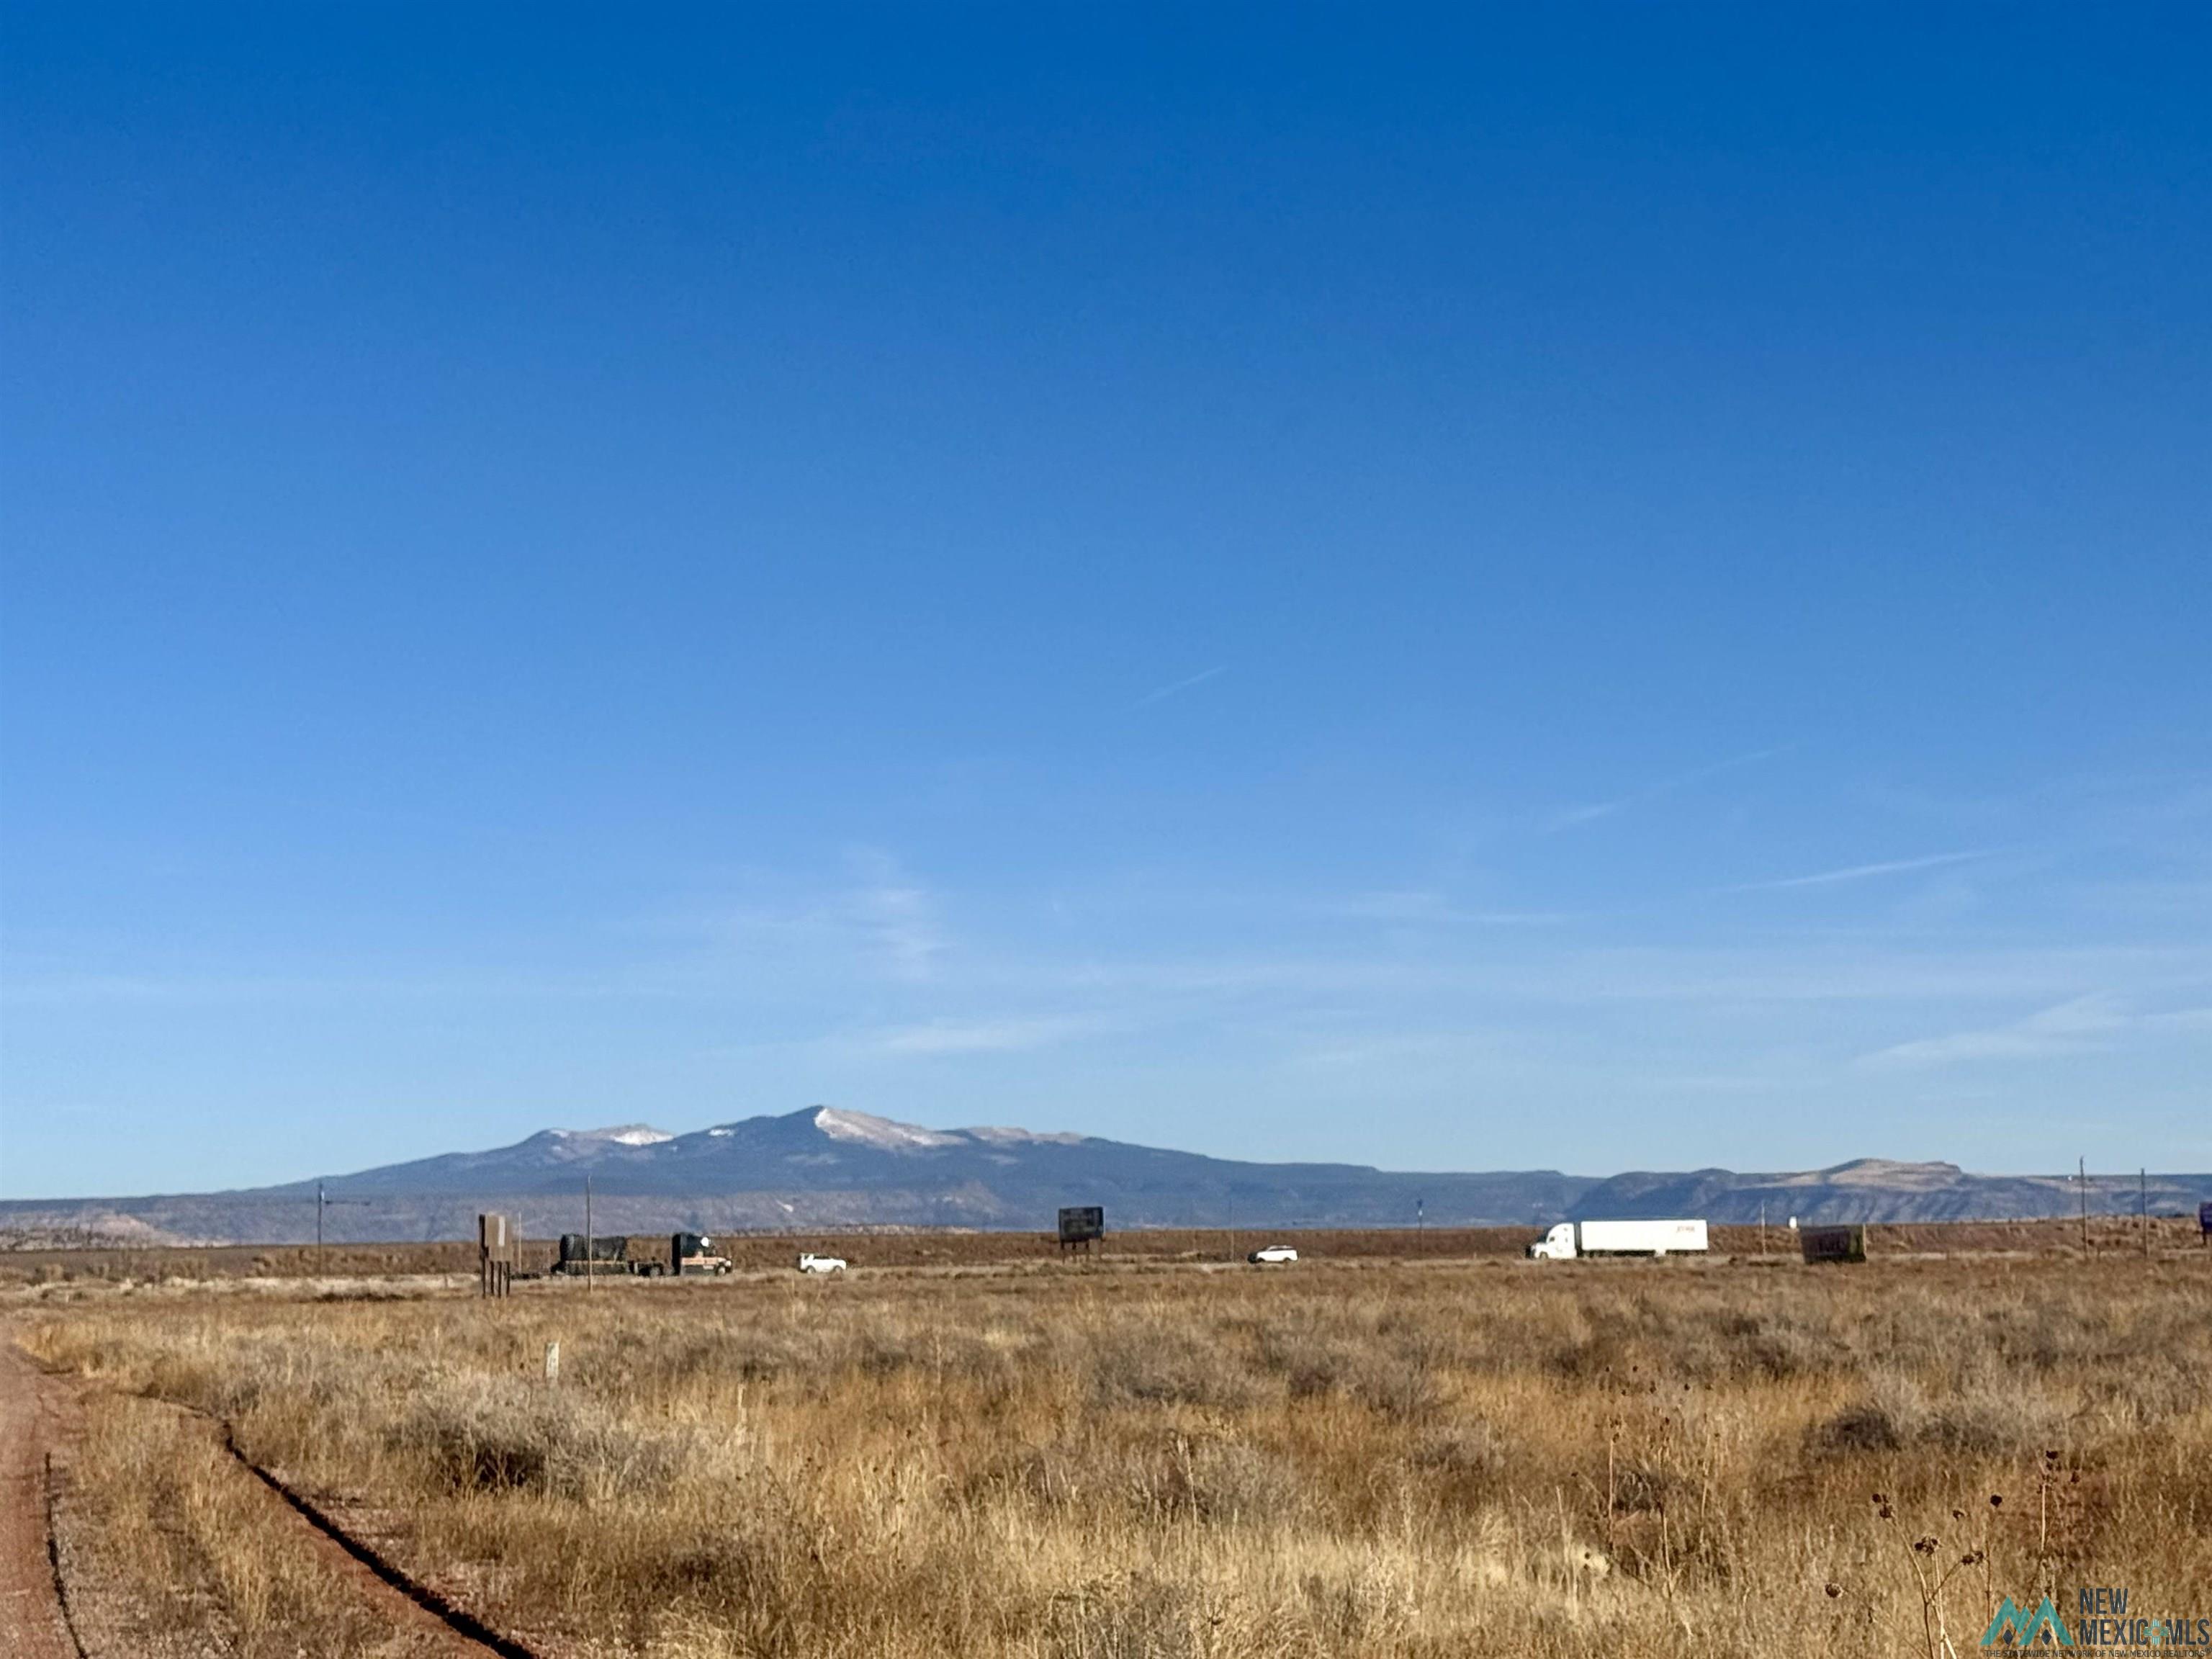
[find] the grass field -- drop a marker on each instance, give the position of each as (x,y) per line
(1355,1457)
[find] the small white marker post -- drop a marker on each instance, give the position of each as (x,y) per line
(552,1361)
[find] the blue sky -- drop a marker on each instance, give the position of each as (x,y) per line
(1621,588)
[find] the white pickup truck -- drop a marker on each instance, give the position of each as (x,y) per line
(1569,1239)
(812,1263)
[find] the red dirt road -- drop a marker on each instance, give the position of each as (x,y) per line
(31,1425)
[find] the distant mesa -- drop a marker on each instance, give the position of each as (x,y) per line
(828,1168)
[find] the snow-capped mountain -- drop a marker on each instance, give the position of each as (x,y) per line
(987,1175)
(828,1167)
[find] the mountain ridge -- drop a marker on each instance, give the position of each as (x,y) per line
(827,1167)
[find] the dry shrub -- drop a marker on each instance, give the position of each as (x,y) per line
(1778,1345)
(1310,1358)
(1132,1616)
(1992,1418)
(1391,1367)
(1989,1418)
(1399,1382)
(1459,1468)
(1156,1363)
(1210,1479)
(1889,1416)
(505,1434)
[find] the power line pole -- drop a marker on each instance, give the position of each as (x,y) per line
(2142,1206)
(2082,1179)
(321,1203)
(590,1250)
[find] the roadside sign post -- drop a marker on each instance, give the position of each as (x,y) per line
(497,1237)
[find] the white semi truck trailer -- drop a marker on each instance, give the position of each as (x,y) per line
(1569,1239)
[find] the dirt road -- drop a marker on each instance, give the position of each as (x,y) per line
(32,1414)
(41,1415)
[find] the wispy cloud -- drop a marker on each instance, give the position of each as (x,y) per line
(1420,906)
(1572,816)
(2079,1026)
(1166,691)
(898,916)
(987,1037)
(1864,872)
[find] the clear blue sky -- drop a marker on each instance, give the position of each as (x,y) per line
(1624,588)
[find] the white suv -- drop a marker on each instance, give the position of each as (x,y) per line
(810,1263)
(1273,1253)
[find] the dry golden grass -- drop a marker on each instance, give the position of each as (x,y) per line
(1625,1458)
(176,1551)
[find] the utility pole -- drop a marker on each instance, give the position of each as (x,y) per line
(1762,1226)
(590,1266)
(2142,1206)
(323,1201)
(2082,1179)
(1420,1215)
(1232,1226)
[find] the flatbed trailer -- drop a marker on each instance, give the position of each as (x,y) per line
(685,1256)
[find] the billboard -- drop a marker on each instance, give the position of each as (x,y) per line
(1833,1244)
(1081,1224)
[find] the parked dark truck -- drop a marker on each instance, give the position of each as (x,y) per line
(690,1255)
(694,1253)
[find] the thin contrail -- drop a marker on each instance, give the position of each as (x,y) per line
(1167,691)
(1605,809)
(1861,871)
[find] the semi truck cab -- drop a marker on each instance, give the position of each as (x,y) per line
(1557,1245)
(695,1254)
(1568,1239)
